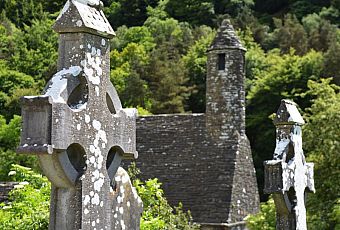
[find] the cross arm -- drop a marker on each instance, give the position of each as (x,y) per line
(36,125)
(126,137)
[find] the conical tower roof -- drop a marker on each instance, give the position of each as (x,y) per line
(226,38)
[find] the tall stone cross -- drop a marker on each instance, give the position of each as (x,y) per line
(78,128)
(288,177)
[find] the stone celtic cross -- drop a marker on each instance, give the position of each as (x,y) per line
(78,127)
(288,177)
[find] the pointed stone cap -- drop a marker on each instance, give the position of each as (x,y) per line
(288,114)
(83,16)
(226,38)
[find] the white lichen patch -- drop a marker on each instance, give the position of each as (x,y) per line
(79,23)
(59,83)
(97,90)
(93,51)
(86,199)
(96,124)
(98,184)
(95,199)
(92,159)
(281,148)
(92,66)
(87,119)
(78,127)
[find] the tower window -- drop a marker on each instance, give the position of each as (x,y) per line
(221,61)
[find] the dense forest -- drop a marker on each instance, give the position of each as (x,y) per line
(158,64)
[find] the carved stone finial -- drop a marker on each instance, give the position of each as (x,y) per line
(288,114)
(83,16)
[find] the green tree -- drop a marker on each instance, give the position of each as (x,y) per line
(22,13)
(167,82)
(232,7)
(128,12)
(321,33)
(128,70)
(289,33)
(321,142)
(35,52)
(195,62)
(199,12)
(331,62)
(13,85)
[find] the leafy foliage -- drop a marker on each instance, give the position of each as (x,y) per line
(158,214)
(9,139)
(265,219)
(28,207)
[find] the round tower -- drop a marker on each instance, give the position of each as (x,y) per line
(225,95)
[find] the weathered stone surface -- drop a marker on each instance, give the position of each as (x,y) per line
(127,206)
(78,127)
(288,176)
(225,106)
(204,160)
(83,16)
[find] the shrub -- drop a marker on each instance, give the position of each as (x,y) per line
(28,206)
(265,219)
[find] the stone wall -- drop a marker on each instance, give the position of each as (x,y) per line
(5,188)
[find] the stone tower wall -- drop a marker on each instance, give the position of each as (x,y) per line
(225,106)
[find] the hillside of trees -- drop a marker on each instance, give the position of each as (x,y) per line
(158,64)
